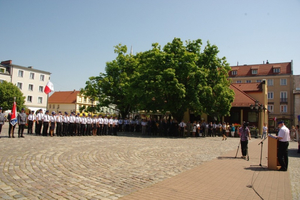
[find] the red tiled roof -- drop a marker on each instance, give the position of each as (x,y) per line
(241,99)
(262,69)
(248,87)
(63,97)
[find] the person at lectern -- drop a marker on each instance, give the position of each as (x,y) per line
(283,144)
(245,136)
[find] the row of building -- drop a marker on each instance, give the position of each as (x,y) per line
(264,93)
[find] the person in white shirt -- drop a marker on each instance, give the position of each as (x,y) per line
(71,124)
(46,120)
(182,126)
(283,144)
(65,124)
(31,119)
(82,125)
(265,131)
(144,126)
(100,125)
(52,123)
(77,124)
(59,120)
(94,125)
(88,124)
(39,122)
(105,125)
(120,124)
(110,125)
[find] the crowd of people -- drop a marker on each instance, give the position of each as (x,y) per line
(76,124)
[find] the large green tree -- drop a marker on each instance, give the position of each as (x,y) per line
(175,78)
(181,77)
(7,93)
(113,86)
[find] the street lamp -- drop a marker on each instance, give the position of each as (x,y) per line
(257,108)
(92,100)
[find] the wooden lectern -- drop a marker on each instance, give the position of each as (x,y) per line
(272,153)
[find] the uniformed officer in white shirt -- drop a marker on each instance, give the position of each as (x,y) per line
(120,124)
(46,120)
(65,124)
(31,119)
(59,120)
(71,124)
(52,123)
(100,125)
(110,125)
(105,125)
(83,124)
(39,122)
(126,123)
(115,127)
(88,125)
(77,124)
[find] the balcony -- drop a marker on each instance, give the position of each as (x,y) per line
(283,100)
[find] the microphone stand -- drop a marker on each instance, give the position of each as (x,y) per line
(261,149)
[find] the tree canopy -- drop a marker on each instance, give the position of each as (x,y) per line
(174,79)
(7,93)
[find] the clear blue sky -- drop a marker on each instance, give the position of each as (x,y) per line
(73,39)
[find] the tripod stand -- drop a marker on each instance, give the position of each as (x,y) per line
(261,149)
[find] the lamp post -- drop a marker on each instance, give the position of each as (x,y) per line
(92,100)
(257,108)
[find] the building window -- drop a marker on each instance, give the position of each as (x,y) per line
(41,89)
(20,73)
(276,70)
(30,87)
(40,100)
(258,81)
(49,106)
(254,71)
(20,85)
(239,81)
(248,81)
(271,108)
(1,81)
(31,76)
(283,97)
(53,106)
(42,77)
(29,99)
(283,108)
(283,81)
(270,95)
(270,82)
(234,72)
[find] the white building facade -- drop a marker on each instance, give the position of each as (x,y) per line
(30,81)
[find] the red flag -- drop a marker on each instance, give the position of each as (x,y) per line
(13,119)
(49,87)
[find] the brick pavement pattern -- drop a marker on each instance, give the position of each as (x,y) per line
(124,167)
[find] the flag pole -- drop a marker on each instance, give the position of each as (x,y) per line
(11,130)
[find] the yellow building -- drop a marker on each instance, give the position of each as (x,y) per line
(279,78)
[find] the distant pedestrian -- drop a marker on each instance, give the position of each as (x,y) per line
(265,131)
(2,120)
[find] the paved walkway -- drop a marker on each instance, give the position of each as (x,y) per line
(130,167)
